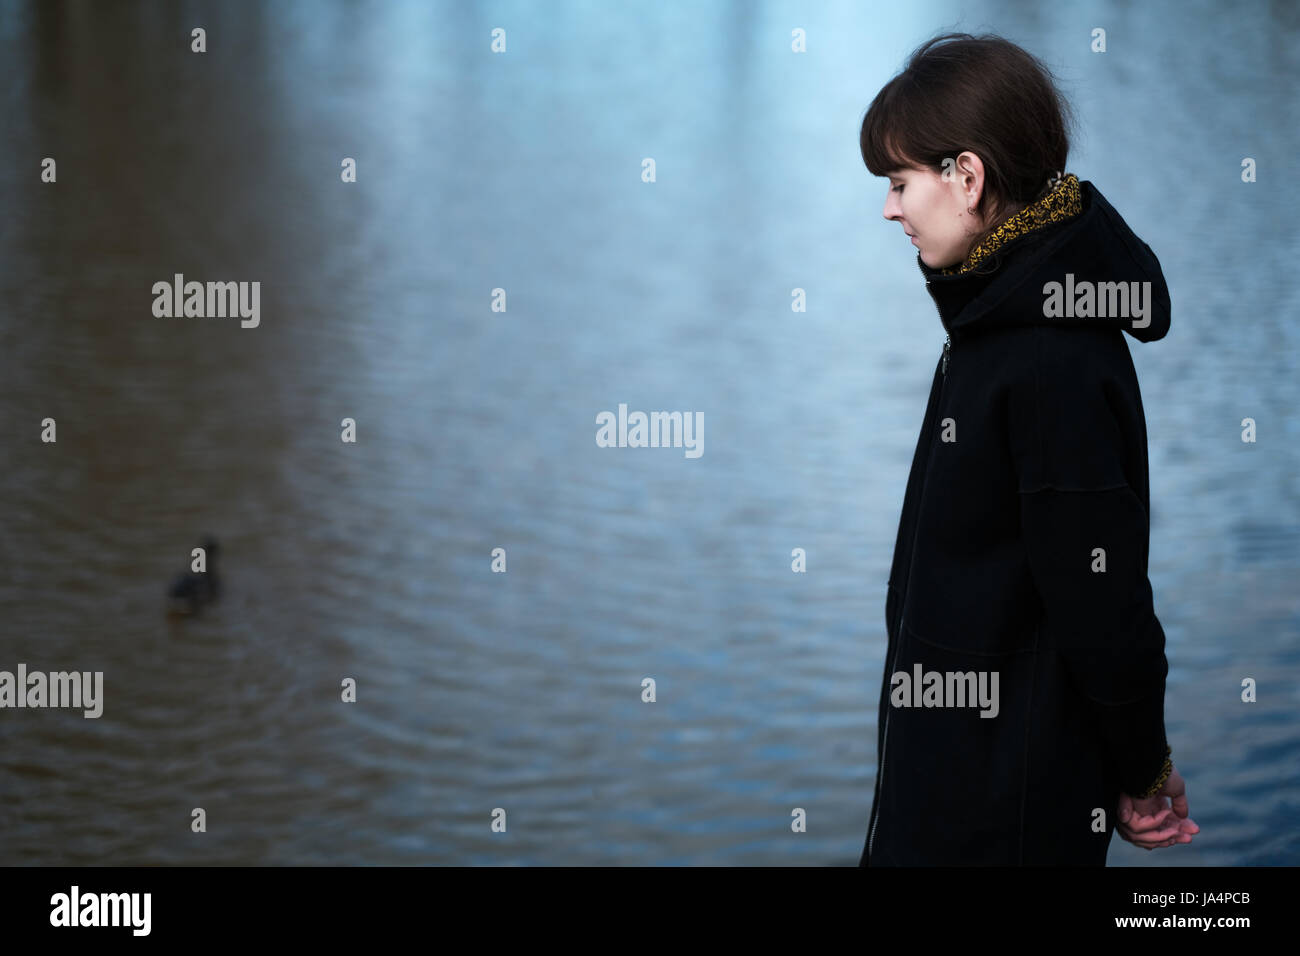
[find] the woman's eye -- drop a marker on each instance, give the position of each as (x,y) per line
(898,188)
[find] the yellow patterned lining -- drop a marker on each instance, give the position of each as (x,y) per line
(1063,202)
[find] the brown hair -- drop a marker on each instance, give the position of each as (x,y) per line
(984,94)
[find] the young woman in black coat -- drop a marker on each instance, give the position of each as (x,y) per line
(1022,703)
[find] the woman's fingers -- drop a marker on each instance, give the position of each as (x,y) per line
(1149,840)
(1139,823)
(1176,789)
(1167,826)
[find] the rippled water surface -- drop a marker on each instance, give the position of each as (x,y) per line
(475,427)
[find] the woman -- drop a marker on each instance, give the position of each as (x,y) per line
(1022,704)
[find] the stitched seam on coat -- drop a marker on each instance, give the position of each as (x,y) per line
(1038,401)
(964,650)
(1135,256)
(1024,783)
(1124,703)
(1078,491)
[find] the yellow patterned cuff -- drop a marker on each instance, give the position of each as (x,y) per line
(1165,771)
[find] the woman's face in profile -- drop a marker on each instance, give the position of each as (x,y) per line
(934,212)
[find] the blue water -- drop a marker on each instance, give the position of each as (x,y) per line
(521,171)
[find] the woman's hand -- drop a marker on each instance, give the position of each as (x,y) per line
(1151,822)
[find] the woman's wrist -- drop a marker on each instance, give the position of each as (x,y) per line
(1165,771)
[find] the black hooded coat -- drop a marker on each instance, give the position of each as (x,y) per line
(1022,551)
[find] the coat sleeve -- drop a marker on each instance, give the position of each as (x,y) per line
(1086,535)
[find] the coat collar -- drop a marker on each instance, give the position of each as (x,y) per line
(1072,233)
(1062,202)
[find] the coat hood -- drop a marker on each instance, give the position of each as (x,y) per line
(1067,259)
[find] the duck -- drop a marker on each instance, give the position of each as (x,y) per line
(191,590)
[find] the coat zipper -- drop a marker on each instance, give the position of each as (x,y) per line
(947,338)
(884,746)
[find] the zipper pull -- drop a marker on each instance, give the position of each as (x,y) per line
(947,347)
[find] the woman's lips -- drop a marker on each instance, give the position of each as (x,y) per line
(914,242)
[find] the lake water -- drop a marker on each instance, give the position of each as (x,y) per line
(475,428)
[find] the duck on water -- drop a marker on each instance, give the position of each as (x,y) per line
(191,590)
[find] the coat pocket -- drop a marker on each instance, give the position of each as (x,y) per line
(956,767)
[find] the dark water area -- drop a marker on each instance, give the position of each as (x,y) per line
(372,559)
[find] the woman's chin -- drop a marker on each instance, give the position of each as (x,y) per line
(929,261)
